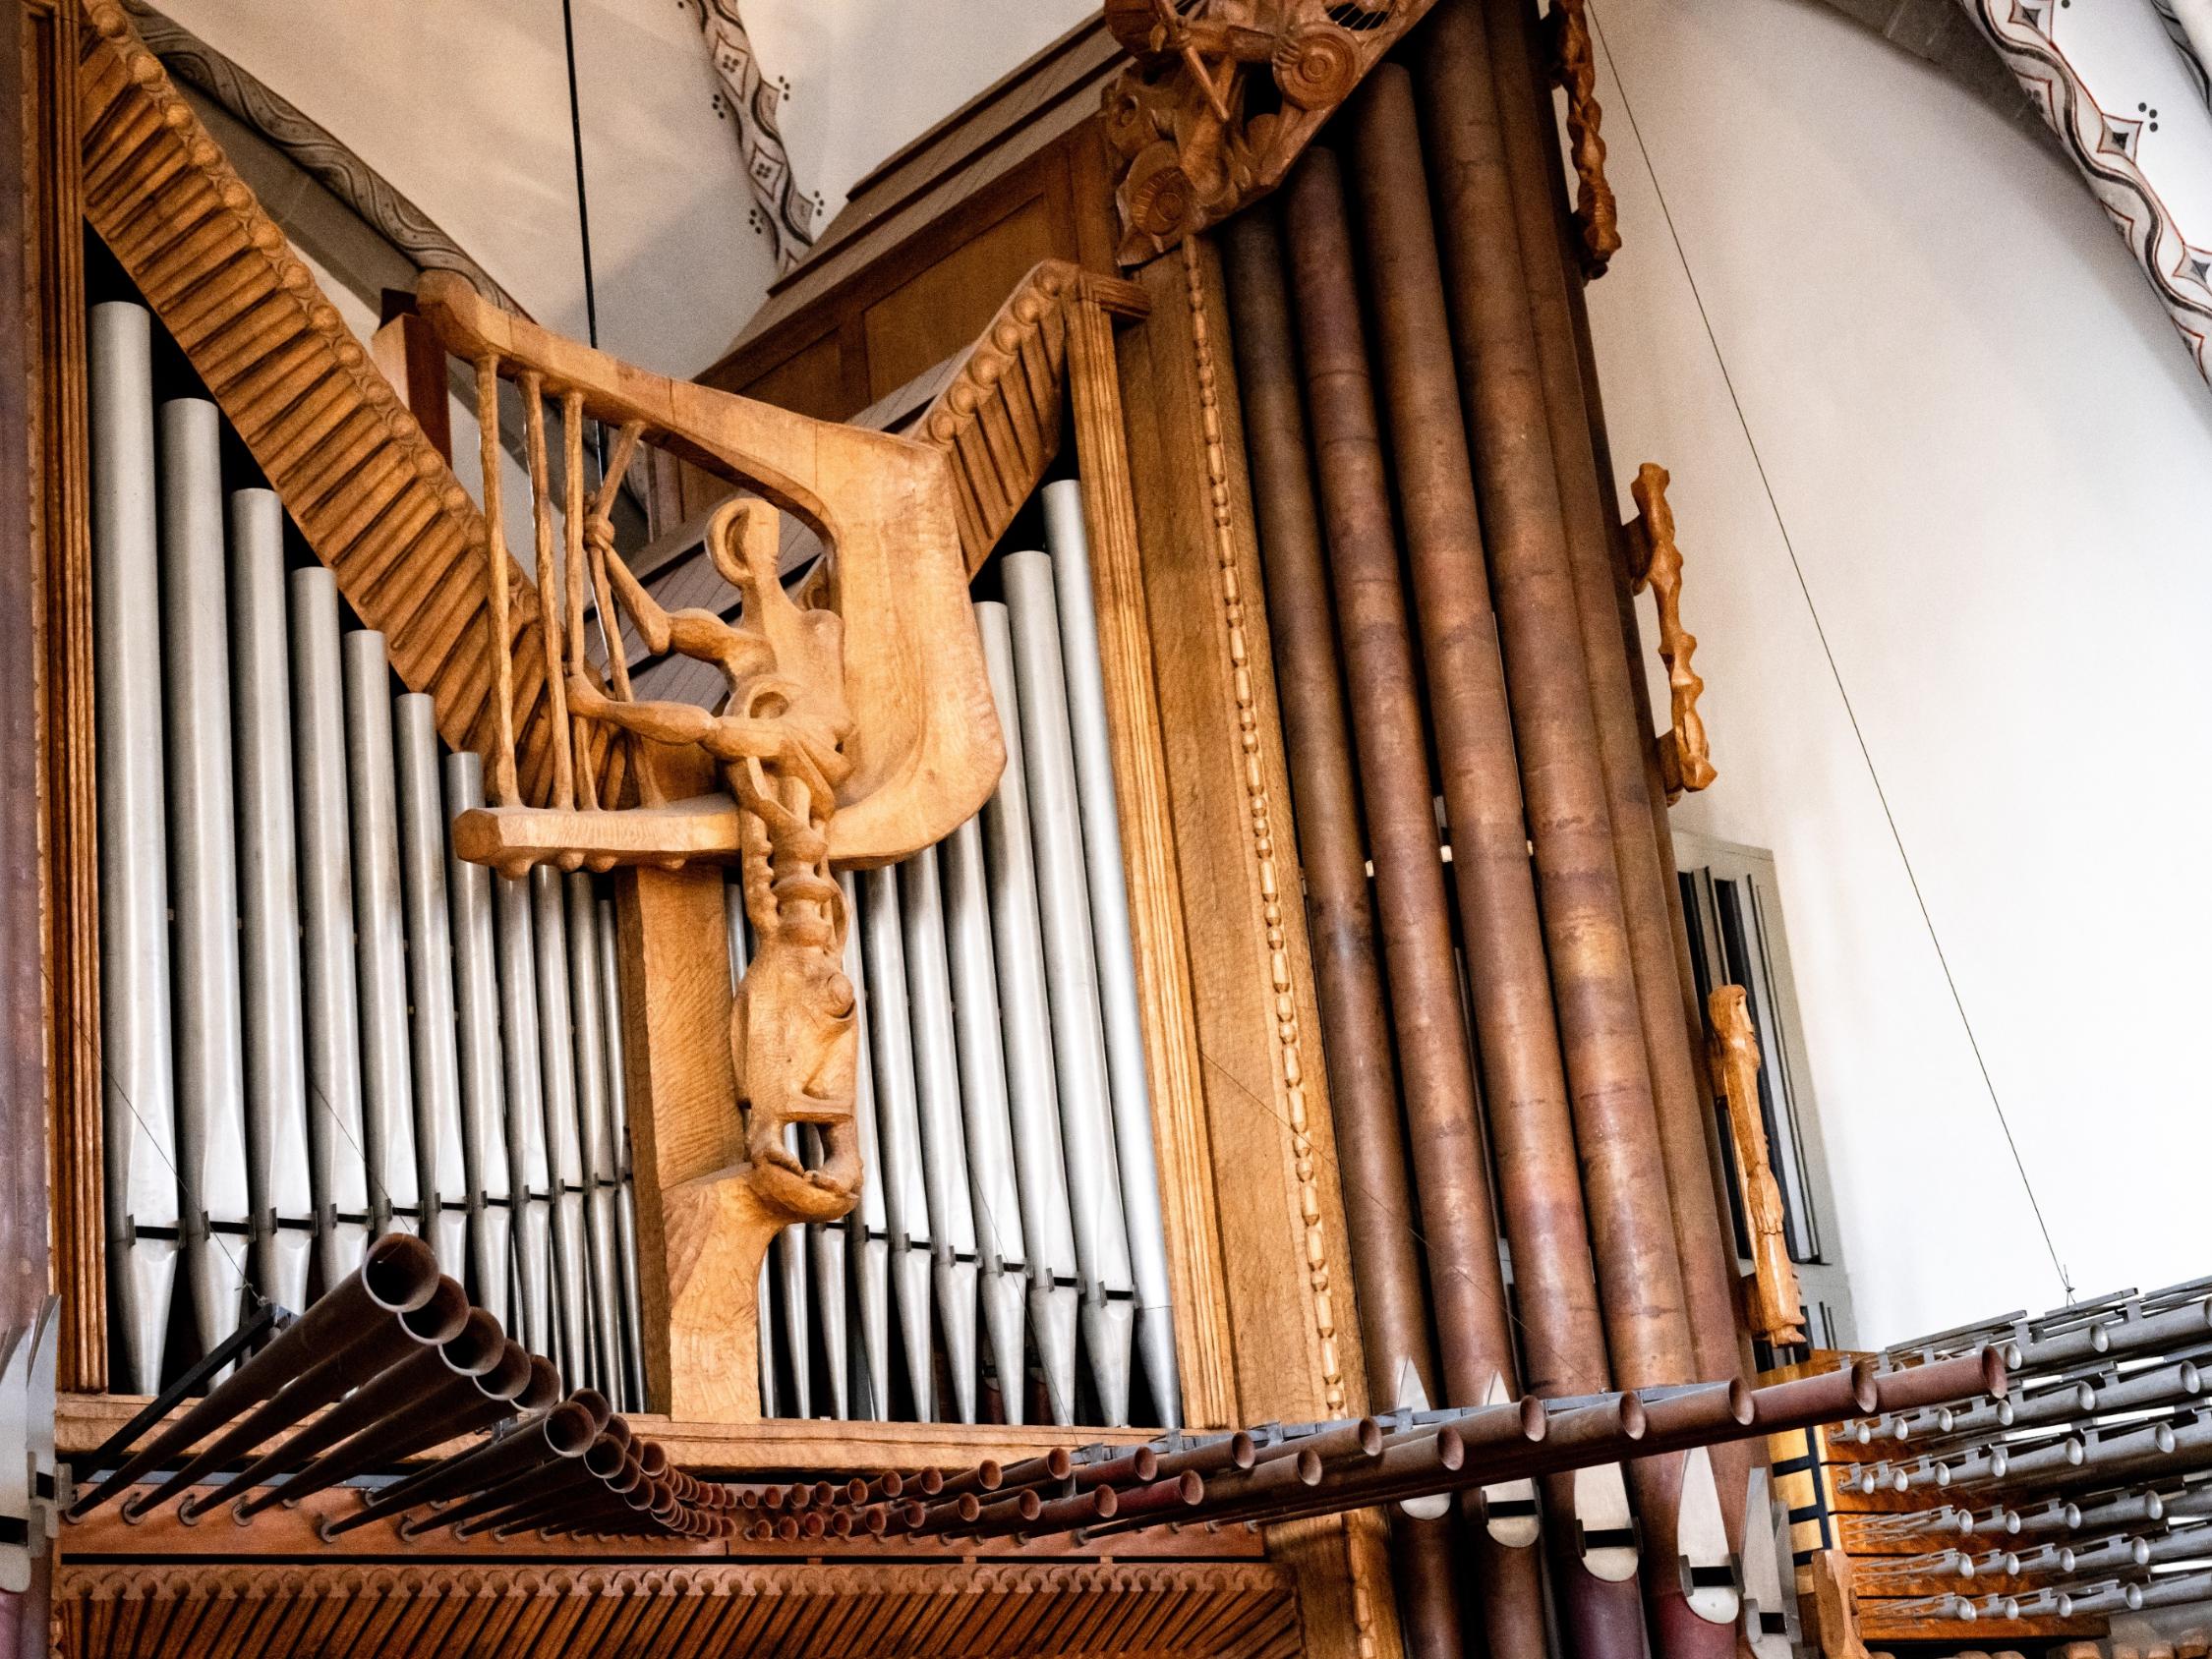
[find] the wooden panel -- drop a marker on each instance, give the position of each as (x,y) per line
(1240,1611)
(68,986)
(811,381)
(1281,1213)
(945,306)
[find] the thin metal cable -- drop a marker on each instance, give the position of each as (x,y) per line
(1835,672)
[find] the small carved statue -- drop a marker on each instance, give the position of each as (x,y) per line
(779,741)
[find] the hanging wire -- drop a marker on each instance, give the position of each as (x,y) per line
(1834,671)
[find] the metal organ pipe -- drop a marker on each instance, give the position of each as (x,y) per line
(1057,1268)
(868,1227)
(625,1206)
(517,953)
(944,1143)
(138,1096)
(556,1067)
(339,1172)
(595,1131)
(484,1173)
(268,903)
(203,877)
(1069,548)
(439,1177)
(1071,974)
(379,934)
(899,1128)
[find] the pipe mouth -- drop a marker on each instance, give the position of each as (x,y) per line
(990,1474)
(967,1505)
(510,1374)
(618,1429)
(1243,1454)
(1058,1463)
(1634,1418)
(542,1388)
(476,1347)
(1189,1488)
(1369,1437)
(399,1273)
(1997,1381)
(1308,1464)
(1866,1387)
(568,1430)
(1104,1502)
(1451,1448)
(653,1458)
(1028,1505)
(1535,1421)
(592,1400)
(1144,1462)
(603,1459)
(440,1315)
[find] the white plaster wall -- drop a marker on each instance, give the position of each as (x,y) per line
(463,106)
(1995,463)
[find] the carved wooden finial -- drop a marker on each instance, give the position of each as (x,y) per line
(1685,761)
(1194,139)
(1773,1304)
(1596,215)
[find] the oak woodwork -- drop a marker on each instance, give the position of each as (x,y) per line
(1195,133)
(1596,215)
(1278,1204)
(53,1009)
(1685,759)
(1774,1306)
(407,353)
(371,495)
(544,1611)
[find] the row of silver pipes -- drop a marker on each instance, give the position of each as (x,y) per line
(317,1024)
(1006,1121)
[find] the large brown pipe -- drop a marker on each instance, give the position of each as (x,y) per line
(1621,698)
(437,1320)
(1525,1087)
(1339,914)
(421,1376)
(397,1276)
(1465,1285)
(563,1432)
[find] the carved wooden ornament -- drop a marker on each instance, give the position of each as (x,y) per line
(1223,96)
(1773,1301)
(1685,761)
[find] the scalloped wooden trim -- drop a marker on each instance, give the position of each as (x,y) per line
(371,495)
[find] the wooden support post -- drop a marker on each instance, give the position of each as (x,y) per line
(413,359)
(699,1238)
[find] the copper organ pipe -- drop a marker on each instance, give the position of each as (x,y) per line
(1525,1087)
(1340,917)
(1465,1282)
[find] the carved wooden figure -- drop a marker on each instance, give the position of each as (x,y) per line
(1773,1304)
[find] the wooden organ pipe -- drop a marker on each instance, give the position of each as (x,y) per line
(1465,1282)
(1532,1132)
(1619,698)
(1340,916)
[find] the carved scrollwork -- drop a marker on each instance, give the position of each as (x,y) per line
(1221,98)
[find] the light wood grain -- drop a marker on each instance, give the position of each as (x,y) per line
(1774,1306)
(1685,759)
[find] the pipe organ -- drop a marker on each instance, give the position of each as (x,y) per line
(1062,860)
(319,1022)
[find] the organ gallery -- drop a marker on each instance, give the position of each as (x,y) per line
(1026,967)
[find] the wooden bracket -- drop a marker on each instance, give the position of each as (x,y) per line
(1685,763)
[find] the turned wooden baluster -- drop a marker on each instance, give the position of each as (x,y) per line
(1685,761)
(562,794)
(1774,1306)
(504,790)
